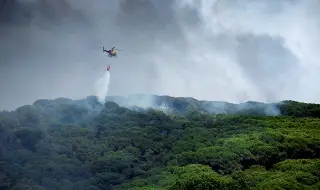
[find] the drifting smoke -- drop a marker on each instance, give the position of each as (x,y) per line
(102,87)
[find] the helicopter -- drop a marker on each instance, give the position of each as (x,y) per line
(111,52)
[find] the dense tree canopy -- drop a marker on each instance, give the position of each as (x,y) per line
(64,144)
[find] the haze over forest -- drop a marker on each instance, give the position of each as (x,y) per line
(233,50)
(206,94)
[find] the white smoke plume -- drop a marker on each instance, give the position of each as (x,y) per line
(102,87)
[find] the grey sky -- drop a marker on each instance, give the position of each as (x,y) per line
(233,50)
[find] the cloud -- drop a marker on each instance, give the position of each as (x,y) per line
(232,51)
(273,45)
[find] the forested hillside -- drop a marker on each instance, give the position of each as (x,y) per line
(191,144)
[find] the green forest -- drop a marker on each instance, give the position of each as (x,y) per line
(68,146)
